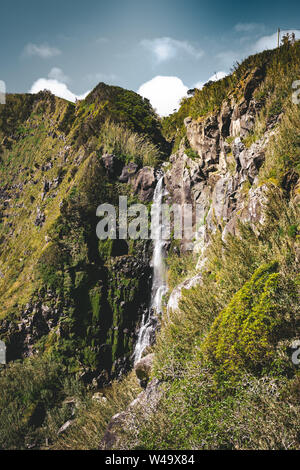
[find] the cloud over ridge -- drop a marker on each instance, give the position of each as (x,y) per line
(55,84)
(164,93)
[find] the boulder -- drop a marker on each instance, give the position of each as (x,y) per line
(143,368)
(112,165)
(144,184)
(128,172)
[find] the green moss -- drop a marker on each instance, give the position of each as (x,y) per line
(245,334)
(95,299)
(192,154)
(49,269)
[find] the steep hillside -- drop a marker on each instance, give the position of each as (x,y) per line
(224,372)
(66,295)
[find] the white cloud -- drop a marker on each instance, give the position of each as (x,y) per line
(213,78)
(270,42)
(57,88)
(167,48)
(164,93)
(57,74)
(43,50)
(249,27)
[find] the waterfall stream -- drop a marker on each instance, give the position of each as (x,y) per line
(159,284)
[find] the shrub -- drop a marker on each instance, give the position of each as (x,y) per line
(245,334)
(29,391)
(128,145)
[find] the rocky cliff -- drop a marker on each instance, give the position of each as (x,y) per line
(222,373)
(63,290)
(231,319)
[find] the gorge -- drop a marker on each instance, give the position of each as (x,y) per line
(153,344)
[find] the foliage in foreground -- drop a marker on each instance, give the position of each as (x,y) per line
(258,414)
(88,430)
(29,391)
(225,355)
(39,395)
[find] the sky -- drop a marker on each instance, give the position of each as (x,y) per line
(159,48)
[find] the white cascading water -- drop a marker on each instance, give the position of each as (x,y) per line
(159,284)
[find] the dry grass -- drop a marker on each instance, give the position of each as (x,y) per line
(89,428)
(129,145)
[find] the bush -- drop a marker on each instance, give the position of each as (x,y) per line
(29,392)
(128,145)
(245,334)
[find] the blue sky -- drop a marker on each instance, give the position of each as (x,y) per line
(69,45)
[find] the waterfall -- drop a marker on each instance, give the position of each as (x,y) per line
(159,284)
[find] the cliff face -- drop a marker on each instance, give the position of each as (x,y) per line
(221,373)
(223,361)
(217,169)
(63,291)
(221,174)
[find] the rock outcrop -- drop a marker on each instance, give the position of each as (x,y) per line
(144,184)
(218,172)
(145,404)
(143,368)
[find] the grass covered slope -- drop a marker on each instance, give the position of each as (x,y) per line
(224,357)
(68,300)
(47,149)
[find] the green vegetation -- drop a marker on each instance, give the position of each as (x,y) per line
(282,163)
(245,335)
(179,267)
(32,393)
(128,145)
(223,358)
(276,68)
(120,106)
(230,265)
(94,416)
(259,414)
(38,396)
(51,259)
